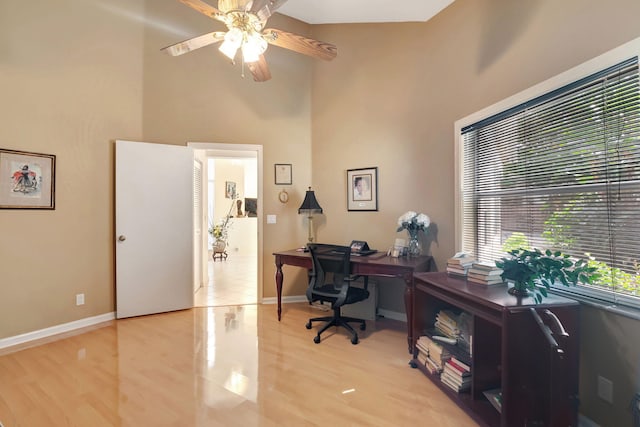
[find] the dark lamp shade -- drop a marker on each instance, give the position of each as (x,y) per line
(310,204)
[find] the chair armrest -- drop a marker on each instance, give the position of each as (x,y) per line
(354,277)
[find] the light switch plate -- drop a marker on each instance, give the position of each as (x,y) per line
(271,219)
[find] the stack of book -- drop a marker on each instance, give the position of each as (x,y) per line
(458,265)
(485,274)
(431,355)
(456,375)
(447,324)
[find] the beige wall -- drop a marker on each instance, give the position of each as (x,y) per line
(71,83)
(77,74)
(391,98)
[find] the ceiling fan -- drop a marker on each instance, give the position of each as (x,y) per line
(245,21)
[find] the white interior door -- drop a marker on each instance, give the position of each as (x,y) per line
(154,228)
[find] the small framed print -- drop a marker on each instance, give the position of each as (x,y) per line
(283,174)
(230,190)
(362,189)
(27,180)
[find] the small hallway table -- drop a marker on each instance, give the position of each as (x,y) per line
(377,264)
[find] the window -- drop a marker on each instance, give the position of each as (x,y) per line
(560,170)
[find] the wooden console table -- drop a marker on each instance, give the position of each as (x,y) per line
(530,357)
(378,264)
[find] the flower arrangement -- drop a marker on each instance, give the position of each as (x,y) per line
(221,230)
(412,221)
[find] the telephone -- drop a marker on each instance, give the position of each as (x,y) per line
(361,248)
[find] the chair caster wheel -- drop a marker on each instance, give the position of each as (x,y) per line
(354,340)
(308,325)
(363,326)
(316,339)
(413,364)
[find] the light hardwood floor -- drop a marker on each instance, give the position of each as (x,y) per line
(221,366)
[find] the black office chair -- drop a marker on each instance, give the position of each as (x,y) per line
(330,281)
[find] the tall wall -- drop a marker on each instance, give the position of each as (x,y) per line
(391,98)
(77,75)
(71,83)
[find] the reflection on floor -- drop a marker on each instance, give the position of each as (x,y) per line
(233,281)
(222,366)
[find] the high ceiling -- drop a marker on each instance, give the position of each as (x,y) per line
(361,11)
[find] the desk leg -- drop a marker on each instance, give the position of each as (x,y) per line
(408,306)
(279,277)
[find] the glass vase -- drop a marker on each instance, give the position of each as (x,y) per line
(415,247)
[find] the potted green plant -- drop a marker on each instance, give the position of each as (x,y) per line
(534,271)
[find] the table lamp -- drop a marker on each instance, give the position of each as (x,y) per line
(310,206)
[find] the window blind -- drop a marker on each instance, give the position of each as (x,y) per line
(561,172)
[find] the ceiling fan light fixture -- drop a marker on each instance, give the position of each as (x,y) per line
(231,44)
(228,49)
(253,47)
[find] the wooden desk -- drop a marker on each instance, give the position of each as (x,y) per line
(372,265)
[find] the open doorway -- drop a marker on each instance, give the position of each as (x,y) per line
(231,178)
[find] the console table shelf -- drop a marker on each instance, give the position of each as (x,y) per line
(516,346)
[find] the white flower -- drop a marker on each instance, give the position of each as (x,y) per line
(406,217)
(423,220)
(413,221)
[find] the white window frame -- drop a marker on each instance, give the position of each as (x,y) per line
(628,50)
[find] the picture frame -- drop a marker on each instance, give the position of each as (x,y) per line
(230,190)
(283,175)
(362,189)
(27,180)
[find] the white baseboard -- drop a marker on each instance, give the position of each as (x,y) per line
(402,317)
(285,300)
(55,330)
(586,422)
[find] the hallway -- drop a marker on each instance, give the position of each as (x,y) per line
(231,282)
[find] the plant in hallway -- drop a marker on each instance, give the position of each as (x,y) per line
(220,231)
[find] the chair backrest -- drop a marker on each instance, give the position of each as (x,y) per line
(331,266)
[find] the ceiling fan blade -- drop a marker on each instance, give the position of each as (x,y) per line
(204,8)
(300,44)
(194,43)
(260,70)
(227,5)
(265,8)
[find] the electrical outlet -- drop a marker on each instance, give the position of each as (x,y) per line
(80,299)
(605,389)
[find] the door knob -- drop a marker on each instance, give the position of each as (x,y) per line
(121,238)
